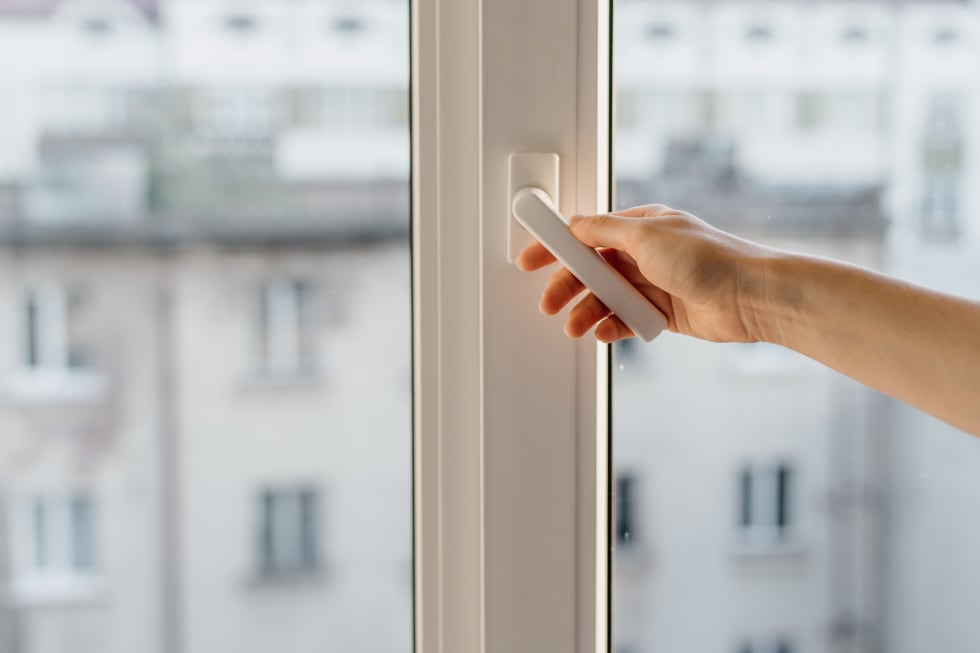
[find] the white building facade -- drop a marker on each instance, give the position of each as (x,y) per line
(205,364)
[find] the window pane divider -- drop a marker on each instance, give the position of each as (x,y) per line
(511,419)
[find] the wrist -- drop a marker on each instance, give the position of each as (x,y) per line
(775,296)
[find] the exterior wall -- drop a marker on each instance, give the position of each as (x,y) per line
(186,434)
(347,431)
(883,549)
(688,416)
(235,434)
(107,444)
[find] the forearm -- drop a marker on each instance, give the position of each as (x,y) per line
(917,345)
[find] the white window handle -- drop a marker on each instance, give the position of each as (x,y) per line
(535,211)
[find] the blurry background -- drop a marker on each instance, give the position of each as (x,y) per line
(205,437)
(204,328)
(766,504)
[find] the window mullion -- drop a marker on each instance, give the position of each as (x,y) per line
(512,531)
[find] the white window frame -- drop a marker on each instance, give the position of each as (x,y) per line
(763,535)
(236,111)
(288,556)
(53,377)
(284,314)
(512,529)
(942,211)
(59,579)
(48,330)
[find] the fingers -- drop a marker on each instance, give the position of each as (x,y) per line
(615,235)
(586,314)
(534,257)
(590,312)
(605,231)
(562,288)
(612,329)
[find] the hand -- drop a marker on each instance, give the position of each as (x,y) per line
(705,281)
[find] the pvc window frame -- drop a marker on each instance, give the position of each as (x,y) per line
(511,441)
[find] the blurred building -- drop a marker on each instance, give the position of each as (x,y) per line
(205,382)
(204,335)
(770,505)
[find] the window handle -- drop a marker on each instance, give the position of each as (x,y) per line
(534,209)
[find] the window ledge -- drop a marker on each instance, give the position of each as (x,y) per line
(57,386)
(56,590)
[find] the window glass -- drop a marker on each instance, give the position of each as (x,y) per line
(205,366)
(288,532)
(53,543)
(779,506)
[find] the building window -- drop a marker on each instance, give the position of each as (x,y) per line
(288,535)
(945,117)
(854,111)
(54,331)
(239,112)
(758,33)
(765,510)
(362,108)
(941,205)
(284,329)
(755,109)
(241,23)
(97,27)
(625,510)
(811,111)
(105,183)
(944,36)
(55,337)
(348,26)
(855,35)
(661,32)
(942,161)
(61,537)
(843,111)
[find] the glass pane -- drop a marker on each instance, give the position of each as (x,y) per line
(205,366)
(772,505)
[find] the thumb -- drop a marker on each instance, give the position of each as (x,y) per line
(603,231)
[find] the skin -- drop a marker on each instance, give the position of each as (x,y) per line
(915,344)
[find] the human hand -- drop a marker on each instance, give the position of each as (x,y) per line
(708,283)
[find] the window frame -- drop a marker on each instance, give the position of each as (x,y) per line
(283,325)
(511,418)
(47,314)
(289,532)
(773,507)
(61,577)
